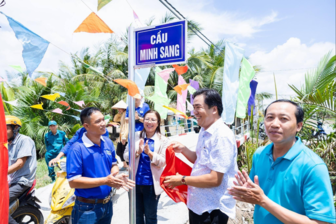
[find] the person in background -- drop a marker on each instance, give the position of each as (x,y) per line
(150,150)
(141,109)
(92,170)
(54,141)
(215,163)
(64,151)
(122,140)
(22,162)
(288,182)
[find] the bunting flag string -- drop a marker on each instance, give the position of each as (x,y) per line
(51,97)
(64,104)
(138,23)
(180,70)
(180,88)
(42,81)
(93,24)
(37,106)
(34,46)
(80,103)
(102,3)
(164,74)
(57,111)
(246,74)
(132,88)
(141,76)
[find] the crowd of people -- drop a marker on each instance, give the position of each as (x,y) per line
(288,182)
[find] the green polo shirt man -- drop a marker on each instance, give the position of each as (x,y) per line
(54,141)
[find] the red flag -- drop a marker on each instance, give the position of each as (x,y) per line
(180,70)
(4,199)
(175,165)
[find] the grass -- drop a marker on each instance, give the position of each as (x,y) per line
(42,178)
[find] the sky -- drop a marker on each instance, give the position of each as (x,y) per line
(285,38)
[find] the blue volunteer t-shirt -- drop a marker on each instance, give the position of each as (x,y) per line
(144,173)
(78,135)
(141,110)
(298,181)
(86,159)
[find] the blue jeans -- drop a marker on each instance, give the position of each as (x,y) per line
(146,204)
(86,213)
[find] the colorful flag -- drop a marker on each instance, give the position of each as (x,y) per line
(57,111)
(141,76)
(166,73)
(13,103)
(132,88)
(77,118)
(160,97)
(177,112)
(251,101)
(189,106)
(93,24)
(37,106)
(102,3)
(180,70)
(42,81)
(246,74)
(51,97)
(80,103)
(181,99)
(34,46)
(17,68)
(64,104)
(180,88)
(191,91)
(175,165)
(4,199)
(233,57)
(137,21)
(195,86)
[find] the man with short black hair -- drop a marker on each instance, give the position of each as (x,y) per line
(92,170)
(291,183)
(215,163)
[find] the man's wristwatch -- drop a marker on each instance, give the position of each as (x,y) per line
(183,180)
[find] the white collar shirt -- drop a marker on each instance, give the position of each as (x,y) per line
(216,150)
(87,142)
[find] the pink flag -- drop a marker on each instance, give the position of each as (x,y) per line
(2,80)
(79,103)
(164,74)
(57,110)
(137,21)
(181,99)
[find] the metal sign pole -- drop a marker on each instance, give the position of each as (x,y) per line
(131,120)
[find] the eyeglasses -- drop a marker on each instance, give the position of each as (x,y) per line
(150,120)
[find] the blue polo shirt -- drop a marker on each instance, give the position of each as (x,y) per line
(141,110)
(298,181)
(79,133)
(54,143)
(144,172)
(86,159)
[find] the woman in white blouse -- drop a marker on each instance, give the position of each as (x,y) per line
(150,149)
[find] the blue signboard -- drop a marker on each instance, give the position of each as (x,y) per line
(163,44)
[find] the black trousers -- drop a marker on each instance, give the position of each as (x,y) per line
(120,150)
(15,191)
(215,217)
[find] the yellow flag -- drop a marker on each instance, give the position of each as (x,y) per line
(177,112)
(37,106)
(93,24)
(51,97)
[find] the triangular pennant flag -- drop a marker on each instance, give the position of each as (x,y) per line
(64,103)
(181,98)
(180,70)
(102,3)
(164,74)
(133,90)
(37,106)
(189,106)
(77,118)
(80,103)
(93,24)
(57,110)
(51,97)
(141,76)
(42,81)
(13,103)
(191,90)
(17,68)
(177,112)
(138,23)
(34,46)
(2,80)
(180,88)
(62,94)
(159,101)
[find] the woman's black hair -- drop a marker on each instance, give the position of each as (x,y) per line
(158,117)
(211,98)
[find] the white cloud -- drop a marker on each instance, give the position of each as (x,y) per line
(292,55)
